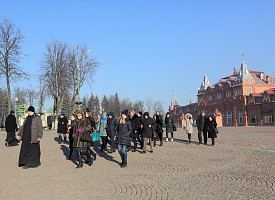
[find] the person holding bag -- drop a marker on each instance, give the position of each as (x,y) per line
(82,126)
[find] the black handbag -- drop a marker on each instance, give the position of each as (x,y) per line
(216,130)
(86,137)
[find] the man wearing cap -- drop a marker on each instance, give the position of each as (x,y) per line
(31,134)
(11,128)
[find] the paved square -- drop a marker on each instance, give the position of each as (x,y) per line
(240,166)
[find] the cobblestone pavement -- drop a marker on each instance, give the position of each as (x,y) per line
(240,166)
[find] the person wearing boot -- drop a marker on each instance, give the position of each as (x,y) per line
(11,128)
(82,126)
(112,131)
(89,116)
(169,123)
(135,122)
(71,130)
(140,127)
(200,125)
(188,126)
(212,128)
(123,137)
(148,128)
(159,122)
(62,128)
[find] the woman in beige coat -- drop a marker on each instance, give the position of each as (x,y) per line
(188,126)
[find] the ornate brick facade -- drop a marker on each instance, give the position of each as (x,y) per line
(245,98)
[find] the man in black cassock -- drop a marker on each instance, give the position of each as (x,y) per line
(31,134)
(11,128)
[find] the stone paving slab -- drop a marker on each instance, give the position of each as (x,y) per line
(240,166)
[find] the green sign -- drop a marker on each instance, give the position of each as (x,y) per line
(21,109)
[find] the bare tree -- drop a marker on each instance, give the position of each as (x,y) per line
(10,54)
(139,106)
(3,107)
(41,96)
(158,106)
(87,69)
(55,73)
(149,105)
(31,95)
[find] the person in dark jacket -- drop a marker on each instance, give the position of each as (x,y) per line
(123,137)
(102,130)
(112,130)
(11,128)
(200,125)
(135,123)
(212,127)
(89,116)
(82,126)
(62,128)
(159,122)
(148,126)
(31,133)
(169,123)
(71,128)
(140,126)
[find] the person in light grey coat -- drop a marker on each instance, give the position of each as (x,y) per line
(188,126)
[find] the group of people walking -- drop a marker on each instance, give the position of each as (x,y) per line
(118,132)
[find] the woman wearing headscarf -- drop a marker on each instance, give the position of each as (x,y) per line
(82,126)
(188,126)
(124,131)
(101,129)
(212,128)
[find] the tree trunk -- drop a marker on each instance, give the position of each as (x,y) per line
(9,90)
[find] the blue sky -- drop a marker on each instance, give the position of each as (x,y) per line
(150,47)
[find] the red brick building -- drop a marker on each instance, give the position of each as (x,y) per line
(244,98)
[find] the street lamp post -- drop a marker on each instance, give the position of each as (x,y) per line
(77,74)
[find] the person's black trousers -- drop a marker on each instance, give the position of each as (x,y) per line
(104,142)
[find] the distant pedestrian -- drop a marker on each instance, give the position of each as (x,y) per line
(159,122)
(135,123)
(89,116)
(101,129)
(11,128)
(169,123)
(140,127)
(202,128)
(148,126)
(62,128)
(123,137)
(112,130)
(71,128)
(82,126)
(188,126)
(212,128)
(31,133)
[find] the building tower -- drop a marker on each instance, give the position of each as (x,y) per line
(205,83)
(174,101)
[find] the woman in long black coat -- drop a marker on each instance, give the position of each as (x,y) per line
(123,137)
(71,131)
(212,127)
(169,123)
(62,128)
(11,128)
(148,128)
(82,126)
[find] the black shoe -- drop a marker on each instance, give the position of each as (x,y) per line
(79,166)
(69,158)
(124,165)
(25,167)
(94,157)
(151,152)
(134,150)
(143,152)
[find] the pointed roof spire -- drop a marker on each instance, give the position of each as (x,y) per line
(205,83)
(174,100)
(243,72)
